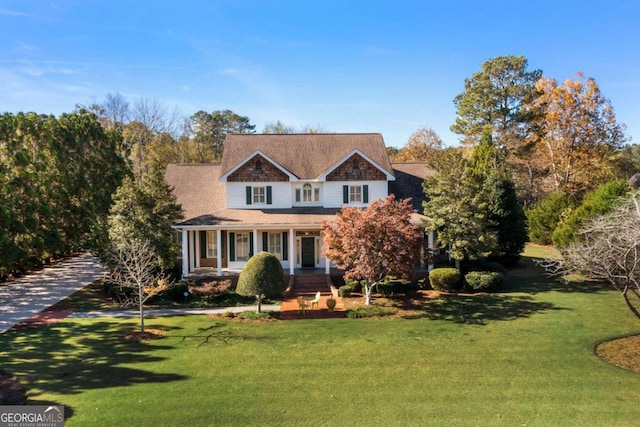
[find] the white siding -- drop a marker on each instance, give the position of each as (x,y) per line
(333,192)
(236,195)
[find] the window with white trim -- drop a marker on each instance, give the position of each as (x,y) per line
(259,195)
(242,246)
(212,244)
(355,194)
(307,194)
(275,244)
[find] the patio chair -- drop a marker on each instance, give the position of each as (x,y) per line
(302,304)
(315,301)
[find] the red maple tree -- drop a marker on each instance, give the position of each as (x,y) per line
(371,243)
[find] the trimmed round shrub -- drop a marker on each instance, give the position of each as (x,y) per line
(496,267)
(345,291)
(262,275)
(484,281)
(444,279)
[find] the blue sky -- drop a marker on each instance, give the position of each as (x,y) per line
(347,66)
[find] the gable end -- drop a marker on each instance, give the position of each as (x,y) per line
(356,168)
(257,169)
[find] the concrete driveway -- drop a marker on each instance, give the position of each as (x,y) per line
(29,295)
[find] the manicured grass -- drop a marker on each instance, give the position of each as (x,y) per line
(525,357)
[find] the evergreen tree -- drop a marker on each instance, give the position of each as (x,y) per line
(145,211)
(457,206)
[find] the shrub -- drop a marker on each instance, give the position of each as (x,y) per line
(544,217)
(345,291)
(385,288)
(356,285)
(370,311)
(484,281)
(174,293)
(252,315)
(444,279)
(262,275)
(495,267)
(600,201)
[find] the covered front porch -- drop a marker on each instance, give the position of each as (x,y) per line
(225,251)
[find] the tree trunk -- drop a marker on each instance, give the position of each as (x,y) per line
(259,306)
(367,294)
(141,316)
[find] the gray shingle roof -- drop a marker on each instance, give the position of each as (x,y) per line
(408,183)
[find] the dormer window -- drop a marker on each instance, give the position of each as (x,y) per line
(307,194)
(258,165)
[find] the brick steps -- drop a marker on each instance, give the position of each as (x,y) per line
(307,285)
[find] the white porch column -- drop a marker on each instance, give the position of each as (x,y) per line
(431,241)
(292,252)
(198,248)
(327,266)
(192,264)
(185,253)
(219,251)
(255,241)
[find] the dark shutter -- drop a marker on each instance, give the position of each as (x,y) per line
(250,245)
(248,192)
(285,246)
(365,194)
(265,241)
(232,246)
(269,195)
(203,244)
(345,194)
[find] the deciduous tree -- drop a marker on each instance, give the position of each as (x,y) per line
(421,147)
(210,130)
(137,274)
(576,137)
(373,242)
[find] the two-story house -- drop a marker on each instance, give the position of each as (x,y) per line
(272,193)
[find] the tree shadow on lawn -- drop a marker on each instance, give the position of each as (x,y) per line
(215,333)
(528,277)
(70,358)
(481,309)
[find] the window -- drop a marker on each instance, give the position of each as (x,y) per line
(355,194)
(306,193)
(242,246)
(212,244)
(258,195)
(275,244)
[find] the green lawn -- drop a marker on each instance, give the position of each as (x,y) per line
(519,358)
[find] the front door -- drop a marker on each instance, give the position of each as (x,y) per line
(308,252)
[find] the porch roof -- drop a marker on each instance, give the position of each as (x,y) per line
(233,218)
